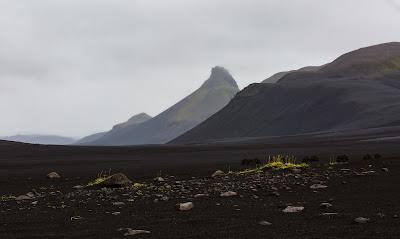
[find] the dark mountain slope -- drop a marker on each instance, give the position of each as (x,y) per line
(345,94)
(212,96)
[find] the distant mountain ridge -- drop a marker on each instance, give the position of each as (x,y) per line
(358,90)
(212,96)
(40,139)
(134,121)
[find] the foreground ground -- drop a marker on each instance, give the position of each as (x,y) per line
(59,209)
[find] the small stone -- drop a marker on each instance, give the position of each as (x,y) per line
(76,218)
(34,203)
(276,194)
(201,195)
(131,232)
(116,180)
(293,209)
(30,194)
(23,197)
(228,194)
(118,203)
(326,205)
(187,206)
(116,213)
(218,173)
(53,175)
(159,179)
(385,170)
(78,187)
(318,186)
(361,220)
(328,214)
(265,223)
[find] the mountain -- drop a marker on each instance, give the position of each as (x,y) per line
(134,121)
(358,90)
(40,139)
(212,96)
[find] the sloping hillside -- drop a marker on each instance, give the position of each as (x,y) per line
(358,90)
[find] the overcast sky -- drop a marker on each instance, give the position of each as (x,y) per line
(74,67)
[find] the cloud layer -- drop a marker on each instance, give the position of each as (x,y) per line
(74,67)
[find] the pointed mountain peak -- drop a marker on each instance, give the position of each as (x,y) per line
(136,119)
(139,118)
(220,77)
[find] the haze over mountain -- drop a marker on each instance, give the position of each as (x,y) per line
(133,122)
(212,96)
(358,90)
(40,139)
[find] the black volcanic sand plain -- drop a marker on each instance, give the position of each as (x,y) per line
(360,188)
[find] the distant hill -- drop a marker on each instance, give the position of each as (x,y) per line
(134,121)
(212,96)
(276,77)
(40,139)
(358,90)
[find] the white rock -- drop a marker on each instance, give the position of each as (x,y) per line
(361,220)
(218,173)
(53,175)
(201,195)
(265,223)
(187,206)
(23,197)
(292,209)
(118,203)
(131,232)
(159,179)
(326,205)
(318,186)
(228,194)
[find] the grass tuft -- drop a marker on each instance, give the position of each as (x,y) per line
(101,177)
(276,162)
(6,198)
(137,186)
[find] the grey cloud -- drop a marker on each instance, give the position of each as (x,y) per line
(74,67)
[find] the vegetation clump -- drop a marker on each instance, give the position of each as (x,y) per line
(137,186)
(5,198)
(277,162)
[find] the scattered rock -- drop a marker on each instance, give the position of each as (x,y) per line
(218,173)
(76,218)
(118,203)
(326,205)
(385,170)
(23,197)
(361,220)
(201,195)
(293,209)
(131,232)
(116,213)
(329,214)
(78,187)
(53,175)
(159,179)
(228,194)
(116,180)
(187,206)
(265,223)
(318,186)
